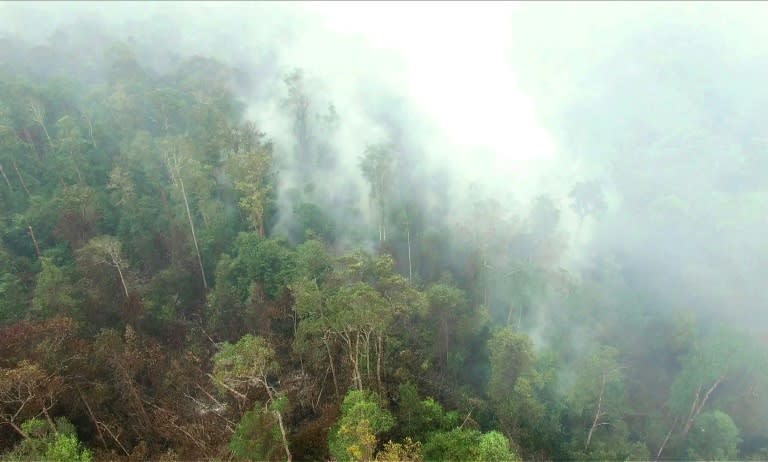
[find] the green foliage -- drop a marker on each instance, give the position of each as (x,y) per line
(468,445)
(122,184)
(44,443)
(418,418)
(257,436)
(457,444)
(13,299)
(247,362)
(495,446)
(270,262)
(53,291)
(523,392)
(312,223)
(363,417)
(313,261)
(407,451)
(714,436)
(716,358)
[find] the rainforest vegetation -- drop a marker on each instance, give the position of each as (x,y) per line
(176,283)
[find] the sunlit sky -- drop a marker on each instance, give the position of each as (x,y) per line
(457,67)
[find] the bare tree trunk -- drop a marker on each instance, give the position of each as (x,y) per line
(21,179)
(2,171)
(379,353)
(79,175)
(38,115)
(333,369)
(191,224)
(34,241)
(410,267)
(598,415)
(93,417)
(270,393)
(357,362)
(283,435)
(367,337)
(122,279)
(666,439)
(18,429)
(697,405)
(446,340)
(90,129)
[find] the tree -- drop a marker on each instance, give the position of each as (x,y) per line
(53,291)
(59,444)
(174,163)
(714,436)
(297,104)
(522,390)
(251,170)
(407,451)
(468,445)
(363,417)
(417,418)
(27,391)
(258,435)
(587,198)
(248,363)
(106,250)
(598,394)
(377,165)
(69,149)
(451,324)
(704,369)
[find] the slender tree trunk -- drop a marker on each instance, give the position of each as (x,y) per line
(191,226)
(666,439)
(122,279)
(379,353)
(410,267)
(283,435)
(262,231)
(333,369)
(45,130)
(90,130)
(446,341)
(21,179)
(278,415)
(2,171)
(18,429)
(598,415)
(34,241)
(367,338)
(357,362)
(697,405)
(38,115)
(93,417)
(48,419)
(79,175)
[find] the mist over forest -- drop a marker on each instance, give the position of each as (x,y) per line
(387,231)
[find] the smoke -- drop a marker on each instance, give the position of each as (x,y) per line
(659,104)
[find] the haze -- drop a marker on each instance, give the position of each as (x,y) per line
(587,174)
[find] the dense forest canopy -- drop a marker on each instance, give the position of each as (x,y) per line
(275,231)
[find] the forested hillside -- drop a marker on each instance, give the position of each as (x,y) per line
(177,285)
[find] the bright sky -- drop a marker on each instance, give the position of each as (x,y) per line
(457,68)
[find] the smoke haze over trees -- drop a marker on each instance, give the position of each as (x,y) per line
(383,231)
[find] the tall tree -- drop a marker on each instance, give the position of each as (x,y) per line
(248,363)
(377,165)
(174,160)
